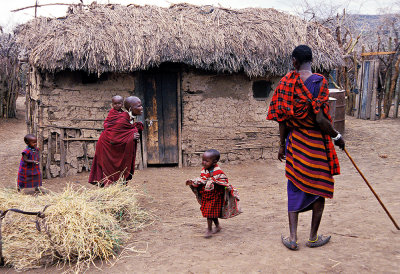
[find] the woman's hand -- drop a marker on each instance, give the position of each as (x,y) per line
(136,135)
(281,153)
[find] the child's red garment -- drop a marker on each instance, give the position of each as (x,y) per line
(112,117)
(29,174)
(211,201)
(218,199)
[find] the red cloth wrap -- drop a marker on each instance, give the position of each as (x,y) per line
(115,149)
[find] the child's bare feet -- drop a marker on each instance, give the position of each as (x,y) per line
(208,234)
(217,229)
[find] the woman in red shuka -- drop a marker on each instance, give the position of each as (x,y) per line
(116,148)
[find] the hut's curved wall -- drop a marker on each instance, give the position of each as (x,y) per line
(221,112)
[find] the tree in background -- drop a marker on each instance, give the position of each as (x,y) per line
(9,76)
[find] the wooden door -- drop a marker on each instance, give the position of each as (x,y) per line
(367,97)
(161,117)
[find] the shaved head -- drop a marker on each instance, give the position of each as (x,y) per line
(117,98)
(29,137)
(134,105)
(213,153)
(130,100)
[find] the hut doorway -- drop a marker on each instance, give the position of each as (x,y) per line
(161,117)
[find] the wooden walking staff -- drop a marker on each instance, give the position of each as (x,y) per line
(370,187)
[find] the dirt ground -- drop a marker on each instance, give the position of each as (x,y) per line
(363,237)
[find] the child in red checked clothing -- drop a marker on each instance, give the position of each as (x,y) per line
(29,174)
(218,199)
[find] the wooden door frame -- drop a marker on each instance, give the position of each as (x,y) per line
(139,92)
(179,118)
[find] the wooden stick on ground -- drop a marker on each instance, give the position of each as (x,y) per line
(370,187)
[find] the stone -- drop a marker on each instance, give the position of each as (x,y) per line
(54,170)
(80,166)
(256,153)
(72,133)
(89,133)
(75,149)
(74,162)
(72,171)
(232,156)
(57,157)
(90,150)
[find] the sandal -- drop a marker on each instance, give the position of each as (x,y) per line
(319,241)
(292,245)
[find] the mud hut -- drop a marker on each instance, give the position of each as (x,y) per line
(205,76)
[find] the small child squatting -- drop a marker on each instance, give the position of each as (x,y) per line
(29,174)
(218,199)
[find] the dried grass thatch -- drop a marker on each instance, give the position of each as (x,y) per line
(103,38)
(80,226)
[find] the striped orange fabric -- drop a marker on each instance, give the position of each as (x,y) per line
(307,164)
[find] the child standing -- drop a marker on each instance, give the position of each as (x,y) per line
(218,199)
(29,174)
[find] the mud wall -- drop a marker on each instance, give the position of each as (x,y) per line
(221,112)
(67,111)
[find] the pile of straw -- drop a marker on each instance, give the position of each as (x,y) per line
(80,226)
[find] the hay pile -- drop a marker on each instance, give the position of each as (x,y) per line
(80,226)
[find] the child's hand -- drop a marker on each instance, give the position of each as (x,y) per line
(189,182)
(36,162)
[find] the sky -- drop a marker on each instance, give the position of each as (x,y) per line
(8,19)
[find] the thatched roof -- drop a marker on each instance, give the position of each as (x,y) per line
(102,38)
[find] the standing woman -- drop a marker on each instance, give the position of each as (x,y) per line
(300,105)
